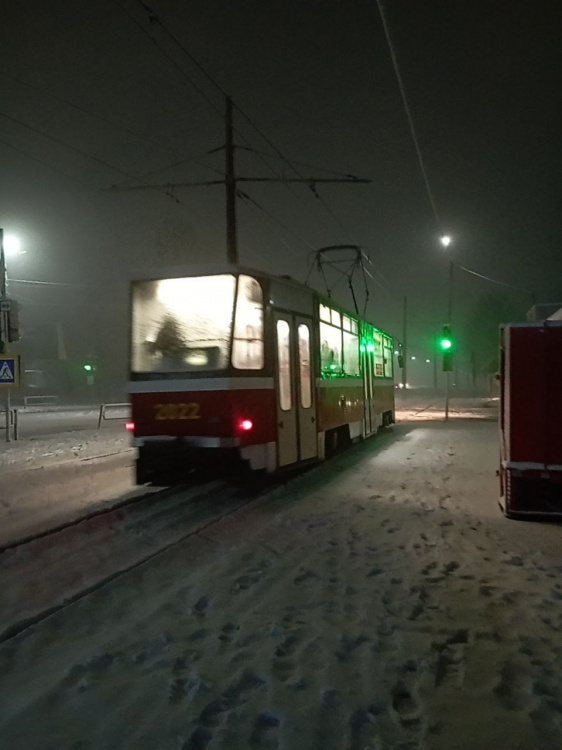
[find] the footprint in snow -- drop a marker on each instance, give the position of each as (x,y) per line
(243,583)
(199,740)
(515,689)
(201,605)
(264,730)
(234,695)
(406,706)
(363,729)
(305,576)
(178,690)
(450,667)
(228,632)
(451,567)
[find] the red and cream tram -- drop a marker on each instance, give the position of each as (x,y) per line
(241,364)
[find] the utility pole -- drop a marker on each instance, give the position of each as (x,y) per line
(231,180)
(405,344)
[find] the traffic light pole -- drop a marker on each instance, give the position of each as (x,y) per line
(405,345)
(449,315)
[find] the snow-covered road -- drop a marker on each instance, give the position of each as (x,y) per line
(378,601)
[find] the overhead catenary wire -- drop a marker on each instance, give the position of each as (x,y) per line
(408,112)
(45,164)
(251,201)
(333,172)
(291,163)
(182,162)
(493,281)
(76,150)
(89,113)
(165,191)
(419,153)
(154,18)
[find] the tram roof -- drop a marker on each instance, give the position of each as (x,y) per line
(157,273)
(206,269)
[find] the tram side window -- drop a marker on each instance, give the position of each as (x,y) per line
(330,349)
(304,366)
(388,356)
(379,357)
(284,364)
(351,353)
(325,313)
(247,344)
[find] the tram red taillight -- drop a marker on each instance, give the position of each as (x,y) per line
(245,425)
(130,426)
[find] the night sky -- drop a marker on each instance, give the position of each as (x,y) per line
(316,76)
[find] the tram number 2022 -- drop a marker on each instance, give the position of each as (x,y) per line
(176,411)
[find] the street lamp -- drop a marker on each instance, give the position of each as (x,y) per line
(12,245)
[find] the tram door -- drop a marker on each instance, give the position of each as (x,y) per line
(367,370)
(296,407)
(367,386)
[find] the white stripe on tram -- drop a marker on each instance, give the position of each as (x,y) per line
(200,384)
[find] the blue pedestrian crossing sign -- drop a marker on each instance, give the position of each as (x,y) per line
(9,372)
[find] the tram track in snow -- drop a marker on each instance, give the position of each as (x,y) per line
(49,571)
(100,511)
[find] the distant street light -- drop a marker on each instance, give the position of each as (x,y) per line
(446,240)
(12,245)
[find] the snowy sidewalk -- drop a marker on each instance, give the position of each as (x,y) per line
(49,480)
(380,601)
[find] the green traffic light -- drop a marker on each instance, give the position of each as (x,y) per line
(446,344)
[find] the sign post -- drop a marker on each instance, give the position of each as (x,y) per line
(9,366)
(9,378)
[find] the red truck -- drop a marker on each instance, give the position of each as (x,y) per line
(531,419)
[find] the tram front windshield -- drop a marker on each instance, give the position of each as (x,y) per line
(182,325)
(186,324)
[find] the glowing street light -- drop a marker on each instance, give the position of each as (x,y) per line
(12,245)
(446,240)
